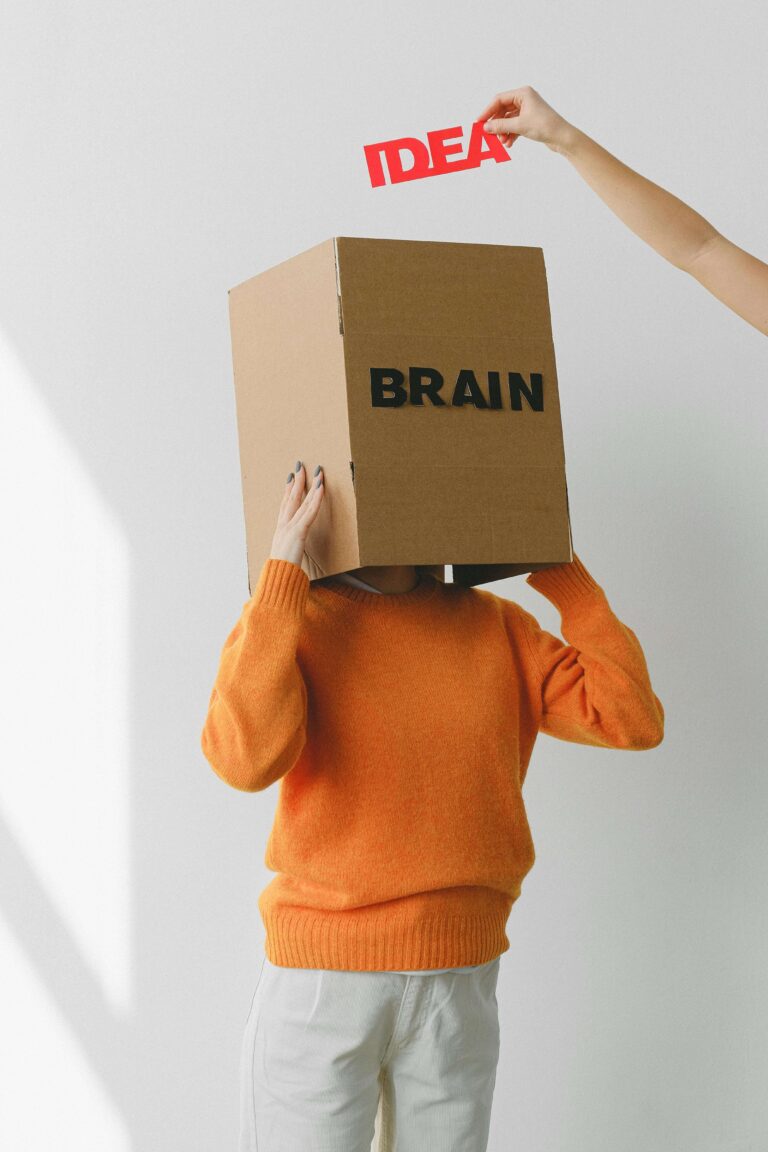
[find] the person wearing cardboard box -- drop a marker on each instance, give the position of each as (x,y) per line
(678,233)
(399,714)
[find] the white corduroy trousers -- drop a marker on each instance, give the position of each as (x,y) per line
(338,1061)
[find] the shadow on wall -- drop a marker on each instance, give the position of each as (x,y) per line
(125,913)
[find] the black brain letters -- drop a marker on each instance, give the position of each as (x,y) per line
(389,389)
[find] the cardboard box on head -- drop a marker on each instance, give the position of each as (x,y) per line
(421,376)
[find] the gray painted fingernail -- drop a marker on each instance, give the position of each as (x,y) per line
(298,465)
(290,477)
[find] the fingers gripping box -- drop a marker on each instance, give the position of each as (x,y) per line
(421,376)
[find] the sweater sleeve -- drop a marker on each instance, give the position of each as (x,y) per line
(255,728)
(595,687)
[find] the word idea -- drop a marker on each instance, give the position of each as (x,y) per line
(431,159)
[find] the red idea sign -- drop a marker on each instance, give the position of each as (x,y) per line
(431,159)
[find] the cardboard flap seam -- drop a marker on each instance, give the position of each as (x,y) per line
(338,287)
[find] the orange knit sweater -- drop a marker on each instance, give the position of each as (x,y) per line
(401,727)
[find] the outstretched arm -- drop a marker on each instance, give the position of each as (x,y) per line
(671,227)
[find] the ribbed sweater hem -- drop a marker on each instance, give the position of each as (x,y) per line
(282,584)
(302,938)
(565,584)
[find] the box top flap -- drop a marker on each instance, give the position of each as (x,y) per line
(425,286)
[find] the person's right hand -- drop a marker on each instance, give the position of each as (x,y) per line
(530,116)
(296,515)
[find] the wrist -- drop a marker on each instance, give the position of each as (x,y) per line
(569,141)
(288,559)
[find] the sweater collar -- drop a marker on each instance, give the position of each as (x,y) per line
(426,588)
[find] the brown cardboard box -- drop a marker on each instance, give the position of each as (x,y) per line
(421,375)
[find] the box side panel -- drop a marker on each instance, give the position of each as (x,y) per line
(479,465)
(291,404)
(451,371)
(283,263)
(463,515)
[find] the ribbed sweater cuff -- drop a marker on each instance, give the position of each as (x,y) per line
(565,584)
(282,584)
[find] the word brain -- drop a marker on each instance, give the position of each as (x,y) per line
(388,389)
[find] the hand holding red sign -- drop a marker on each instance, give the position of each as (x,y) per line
(531,117)
(670,226)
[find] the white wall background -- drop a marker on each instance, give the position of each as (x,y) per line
(155,155)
